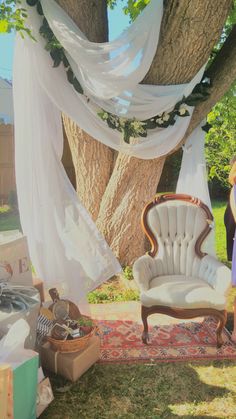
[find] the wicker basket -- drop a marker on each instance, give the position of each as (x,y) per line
(73,345)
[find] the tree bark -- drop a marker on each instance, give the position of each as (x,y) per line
(189,31)
(133,182)
(92,160)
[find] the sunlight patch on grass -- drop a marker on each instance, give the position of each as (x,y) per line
(219,379)
(4,209)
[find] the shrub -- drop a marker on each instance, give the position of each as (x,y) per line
(128,273)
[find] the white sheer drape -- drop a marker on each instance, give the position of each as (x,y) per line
(107,69)
(110,72)
(64,244)
(54,81)
(193,177)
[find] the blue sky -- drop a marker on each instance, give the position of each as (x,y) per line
(117,22)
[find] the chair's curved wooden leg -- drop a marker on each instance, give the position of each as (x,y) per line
(144,314)
(221,324)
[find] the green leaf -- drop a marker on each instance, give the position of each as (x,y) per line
(65,61)
(56,56)
(206,127)
(3,26)
(70,75)
(126,135)
(31,2)
(77,86)
(144,133)
(111,124)
(39,8)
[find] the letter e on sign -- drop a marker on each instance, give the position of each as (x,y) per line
(23,265)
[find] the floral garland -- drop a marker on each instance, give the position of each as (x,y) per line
(130,128)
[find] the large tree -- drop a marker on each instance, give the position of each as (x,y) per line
(114,187)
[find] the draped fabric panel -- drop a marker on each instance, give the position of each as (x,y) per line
(193,177)
(107,69)
(65,246)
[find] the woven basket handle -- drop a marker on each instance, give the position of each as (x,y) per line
(54,294)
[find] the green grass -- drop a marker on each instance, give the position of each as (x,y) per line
(9,220)
(4,209)
(218,212)
(167,390)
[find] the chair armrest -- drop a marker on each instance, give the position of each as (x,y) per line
(143,271)
(216,274)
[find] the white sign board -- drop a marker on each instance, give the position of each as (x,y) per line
(15,266)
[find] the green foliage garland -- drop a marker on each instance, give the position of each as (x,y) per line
(132,128)
(56,50)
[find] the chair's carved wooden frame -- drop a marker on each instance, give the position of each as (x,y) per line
(180,313)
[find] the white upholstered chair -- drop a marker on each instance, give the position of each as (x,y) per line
(176,277)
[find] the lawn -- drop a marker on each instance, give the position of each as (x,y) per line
(9,220)
(167,390)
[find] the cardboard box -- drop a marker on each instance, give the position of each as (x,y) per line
(70,365)
(44,396)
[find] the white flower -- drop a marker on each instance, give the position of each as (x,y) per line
(122,121)
(166,117)
(136,125)
(159,121)
(105,115)
(182,110)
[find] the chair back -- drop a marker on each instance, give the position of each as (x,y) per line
(176,226)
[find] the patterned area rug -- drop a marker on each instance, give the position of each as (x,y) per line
(121,342)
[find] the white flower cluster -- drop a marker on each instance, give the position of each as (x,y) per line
(182,110)
(137,126)
(132,128)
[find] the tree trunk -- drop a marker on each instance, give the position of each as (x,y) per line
(132,184)
(188,33)
(92,160)
(93,163)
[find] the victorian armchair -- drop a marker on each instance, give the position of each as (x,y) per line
(176,277)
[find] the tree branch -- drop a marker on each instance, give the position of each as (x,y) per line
(189,31)
(222,73)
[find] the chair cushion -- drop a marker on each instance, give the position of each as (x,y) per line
(181,291)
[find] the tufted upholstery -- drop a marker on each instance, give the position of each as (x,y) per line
(176,273)
(214,277)
(177,226)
